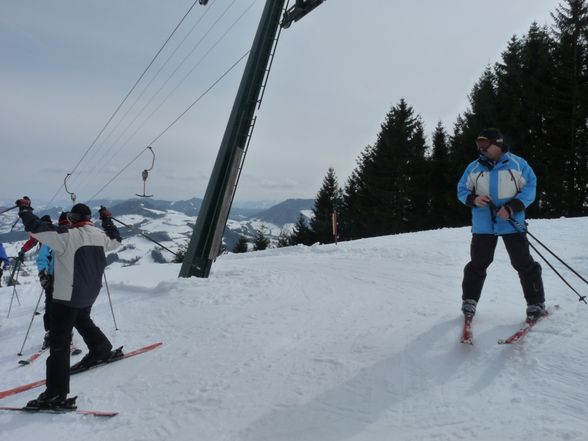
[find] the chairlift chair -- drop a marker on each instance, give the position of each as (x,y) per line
(145,175)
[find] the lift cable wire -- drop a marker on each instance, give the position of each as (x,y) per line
(172,124)
(190,72)
(126,97)
(95,158)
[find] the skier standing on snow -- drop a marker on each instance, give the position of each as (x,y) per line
(4,261)
(80,260)
(498,186)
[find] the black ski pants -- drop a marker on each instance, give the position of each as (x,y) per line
(48,302)
(63,320)
(482,254)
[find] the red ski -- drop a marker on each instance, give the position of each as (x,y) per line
(19,389)
(467,337)
(98,413)
(519,334)
(529,324)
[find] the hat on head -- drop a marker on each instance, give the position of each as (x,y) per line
(80,212)
(46,218)
(494,136)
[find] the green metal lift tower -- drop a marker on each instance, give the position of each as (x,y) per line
(208,232)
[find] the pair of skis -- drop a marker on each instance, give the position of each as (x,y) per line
(98,413)
(467,336)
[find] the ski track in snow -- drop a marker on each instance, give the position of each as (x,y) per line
(352,342)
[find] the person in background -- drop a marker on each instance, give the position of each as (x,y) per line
(79,252)
(4,262)
(498,187)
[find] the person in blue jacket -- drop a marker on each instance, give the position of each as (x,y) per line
(499,186)
(4,261)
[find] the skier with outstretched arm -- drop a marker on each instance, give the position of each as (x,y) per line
(79,253)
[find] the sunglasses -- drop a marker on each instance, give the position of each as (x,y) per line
(483,143)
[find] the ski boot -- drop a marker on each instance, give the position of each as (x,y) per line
(52,401)
(468,308)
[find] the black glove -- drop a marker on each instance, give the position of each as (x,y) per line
(21,255)
(104,213)
(44,279)
(24,204)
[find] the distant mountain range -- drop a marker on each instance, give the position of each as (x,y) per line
(242,221)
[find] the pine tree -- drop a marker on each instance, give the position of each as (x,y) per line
(391,181)
(283,239)
(351,223)
(442,190)
(328,200)
(261,242)
(571,105)
(301,234)
(241,245)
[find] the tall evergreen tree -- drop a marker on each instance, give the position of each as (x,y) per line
(442,189)
(392,179)
(328,200)
(261,241)
(571,105)
(351,225)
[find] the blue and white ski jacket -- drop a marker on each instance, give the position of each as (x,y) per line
(510,181)
(79,253)
(45,260)
(4,257)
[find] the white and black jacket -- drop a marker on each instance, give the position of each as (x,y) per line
(79,257)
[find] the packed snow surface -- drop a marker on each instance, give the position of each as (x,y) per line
(348,342)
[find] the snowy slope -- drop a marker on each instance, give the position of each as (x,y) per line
(329,343)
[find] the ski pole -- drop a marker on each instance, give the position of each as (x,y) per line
(31,322)
(17,262)
(144,235)
(8,209)
(522,232)
(110,301)
(14,224)
(14,293)
(552,253)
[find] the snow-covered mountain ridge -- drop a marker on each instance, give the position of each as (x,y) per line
(153,217)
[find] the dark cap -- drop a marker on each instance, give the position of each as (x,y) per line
(494,136)
(82,211)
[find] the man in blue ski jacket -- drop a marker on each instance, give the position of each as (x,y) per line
(499,186)
(5,263)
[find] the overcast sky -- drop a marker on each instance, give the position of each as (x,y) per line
(67,64)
